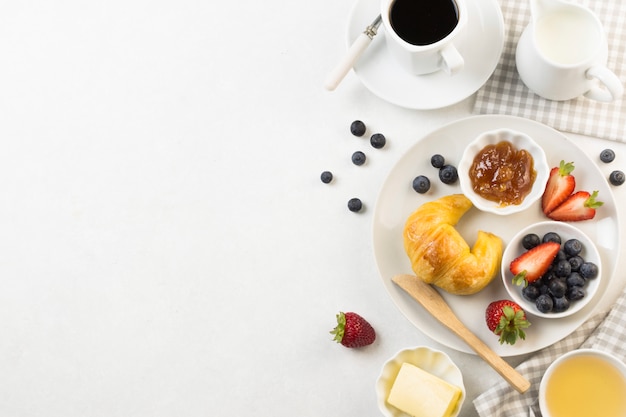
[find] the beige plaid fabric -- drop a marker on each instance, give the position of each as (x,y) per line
(505,93)
(603,331)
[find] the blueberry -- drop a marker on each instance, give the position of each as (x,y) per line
(575,293)
(617,177)
(421,184)
(563,268)
(575,262)
(437,161)
(572,247)
(551,237)
(560,304)
(326,177)
(575,280)
(355,205)
(544,303)
(557,288)
(588,270)
(560,256)
(607,155)
(358,158)
(448,174)
(530,241)
(531,292)
(357,128)
(378,140)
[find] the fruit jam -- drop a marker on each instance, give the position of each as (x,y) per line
(502,173)
(585,386)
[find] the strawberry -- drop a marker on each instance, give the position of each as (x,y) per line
(579,206)
(560,185)
(506,319)
(532,264)
(353,330)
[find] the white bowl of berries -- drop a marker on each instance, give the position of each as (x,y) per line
(503,171)
(551,269)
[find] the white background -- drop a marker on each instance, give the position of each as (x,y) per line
(166,245)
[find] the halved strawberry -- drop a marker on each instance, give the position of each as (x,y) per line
(579,206)
(532,264)
(560,185)
(506,319)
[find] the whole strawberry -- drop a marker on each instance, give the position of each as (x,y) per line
(506,319)
(353,331)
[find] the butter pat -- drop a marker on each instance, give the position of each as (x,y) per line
(421,394)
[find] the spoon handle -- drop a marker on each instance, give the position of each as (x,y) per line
(359,45)
(432,301)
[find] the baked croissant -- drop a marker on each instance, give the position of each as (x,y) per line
(440,256)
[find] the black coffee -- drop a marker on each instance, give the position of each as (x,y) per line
(422,22)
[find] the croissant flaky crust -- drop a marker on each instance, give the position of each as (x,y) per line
(440,256)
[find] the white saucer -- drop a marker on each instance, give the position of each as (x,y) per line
(481,48)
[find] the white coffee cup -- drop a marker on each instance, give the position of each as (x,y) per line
(584,382)
(424,48)
(562,55)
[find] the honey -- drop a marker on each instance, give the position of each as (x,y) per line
(585,386)
(502,173)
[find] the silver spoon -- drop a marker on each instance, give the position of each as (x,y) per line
(354,52)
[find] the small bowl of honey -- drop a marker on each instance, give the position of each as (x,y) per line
(582,383)
(503,171)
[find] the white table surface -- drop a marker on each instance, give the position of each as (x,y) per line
(167,246)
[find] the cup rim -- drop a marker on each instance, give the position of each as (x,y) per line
(461,23)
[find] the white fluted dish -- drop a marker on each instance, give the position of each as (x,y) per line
(520,141)
(430,360)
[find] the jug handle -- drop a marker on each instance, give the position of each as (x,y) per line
(613,87)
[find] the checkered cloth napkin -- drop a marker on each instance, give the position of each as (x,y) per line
(505,93)
(604,331)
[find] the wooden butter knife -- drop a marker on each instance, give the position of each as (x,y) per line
(432,301)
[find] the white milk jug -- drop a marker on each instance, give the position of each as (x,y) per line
(562,54)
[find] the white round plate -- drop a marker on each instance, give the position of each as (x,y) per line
(397,200)
(481,49)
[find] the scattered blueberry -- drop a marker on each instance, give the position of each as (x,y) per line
(448,174)
(572,247)
(617,177)
(530,241)
(358,158)
(355,205)
(607,155)
(378,140)
(437,161)
(421,184)
(551,237)
(588,270)
(544,303)
(326,177)
(357,128)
